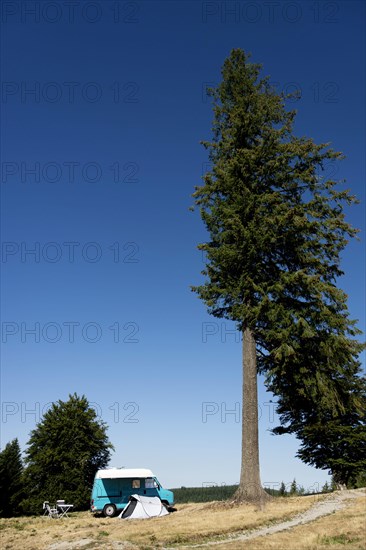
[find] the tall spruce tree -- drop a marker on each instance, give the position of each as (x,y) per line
(276,230)
(64,452)
(11,485)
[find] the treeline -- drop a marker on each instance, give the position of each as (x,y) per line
(203,494)
(63,454)
(183,495)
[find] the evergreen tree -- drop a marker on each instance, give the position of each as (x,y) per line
(360,480)
(338,447)
(64,452)
(332,438)
(283,491)
(293,488)
(276,230)
(11,489)
(325,488)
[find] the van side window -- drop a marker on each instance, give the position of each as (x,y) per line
(149,483)
(136,484)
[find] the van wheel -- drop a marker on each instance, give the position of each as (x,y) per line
(109,510)
(168,506)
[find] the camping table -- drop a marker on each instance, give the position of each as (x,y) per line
(64,509)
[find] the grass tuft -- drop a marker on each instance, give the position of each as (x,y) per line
(343,538)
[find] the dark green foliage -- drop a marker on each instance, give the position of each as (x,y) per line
(208,494)
(272,492)
(283,491)
(276,232)
(360,480)
(293,488)
(64,452)
(332,438)
(274,248)
(11,487)
(204,494)
(336,446)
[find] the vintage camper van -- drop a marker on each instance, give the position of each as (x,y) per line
(113,487)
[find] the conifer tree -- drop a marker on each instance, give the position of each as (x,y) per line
(282,491)
(360,480)
(276,229)
(338,446)
(293,488)
(11,488)
(64,452)
(332,435)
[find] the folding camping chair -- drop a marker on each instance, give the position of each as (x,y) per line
(49,511)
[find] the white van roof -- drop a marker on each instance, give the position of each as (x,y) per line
(117,473)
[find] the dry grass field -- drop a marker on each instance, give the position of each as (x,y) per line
(192,524)
(343,529)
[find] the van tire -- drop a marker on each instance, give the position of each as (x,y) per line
(109,510)
(168,506)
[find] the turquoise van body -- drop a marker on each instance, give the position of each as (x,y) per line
(113,487)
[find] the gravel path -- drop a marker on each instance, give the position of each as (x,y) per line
(331,504)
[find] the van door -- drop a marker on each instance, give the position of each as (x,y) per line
(114,491)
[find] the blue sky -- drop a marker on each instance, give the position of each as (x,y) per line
(98,165)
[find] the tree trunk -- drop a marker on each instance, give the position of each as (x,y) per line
(341,480)
(250,488)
